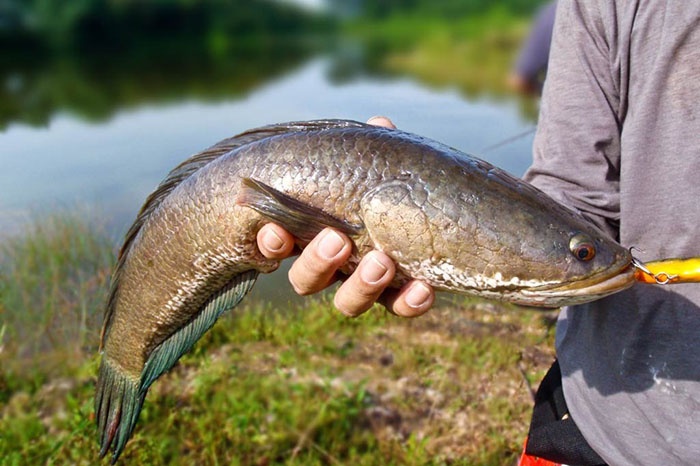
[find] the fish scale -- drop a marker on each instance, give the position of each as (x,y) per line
(444,217)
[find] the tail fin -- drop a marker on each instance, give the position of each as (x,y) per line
(118,402)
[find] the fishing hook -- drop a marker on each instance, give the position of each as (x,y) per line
(661,278)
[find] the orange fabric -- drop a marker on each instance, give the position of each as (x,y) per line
(527,460)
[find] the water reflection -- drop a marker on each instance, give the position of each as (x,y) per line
(95,87)
(114,164)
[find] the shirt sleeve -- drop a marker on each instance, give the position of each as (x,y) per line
(576,151)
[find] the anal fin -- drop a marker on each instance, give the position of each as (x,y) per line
(164,356)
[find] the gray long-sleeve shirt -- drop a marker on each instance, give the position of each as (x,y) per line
(619,140)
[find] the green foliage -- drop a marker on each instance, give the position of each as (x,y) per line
(101,56)
(471,52)
(445,9)
(120,24)
(94,57)
(53,283)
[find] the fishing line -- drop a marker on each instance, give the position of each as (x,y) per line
(508,140)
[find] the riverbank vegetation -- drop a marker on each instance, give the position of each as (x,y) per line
(128,25)
(265,386)
(96,56)
(471,53)
(470,46)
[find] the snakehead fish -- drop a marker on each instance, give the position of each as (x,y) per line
(452,220)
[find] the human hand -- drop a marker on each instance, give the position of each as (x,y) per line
(318,264)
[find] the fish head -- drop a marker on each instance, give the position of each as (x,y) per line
(572,266)
(533,250)
(555,258)
(481,231)
(551,255)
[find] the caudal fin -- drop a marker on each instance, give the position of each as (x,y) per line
(118,402)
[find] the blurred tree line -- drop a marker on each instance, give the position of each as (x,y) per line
(447,9)
(91,57)
(80,24)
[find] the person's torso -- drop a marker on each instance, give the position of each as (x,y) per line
(631,362)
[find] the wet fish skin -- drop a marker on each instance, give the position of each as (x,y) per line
(452,220)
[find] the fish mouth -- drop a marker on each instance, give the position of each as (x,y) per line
(581,291)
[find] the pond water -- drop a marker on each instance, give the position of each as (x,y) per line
(110,166)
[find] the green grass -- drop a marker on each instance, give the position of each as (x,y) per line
(53,281)
(299,387)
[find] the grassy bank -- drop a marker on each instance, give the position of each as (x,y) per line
(53,279)
(471,52)
(266,386)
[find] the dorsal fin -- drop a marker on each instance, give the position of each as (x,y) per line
(299,126)
(186,169)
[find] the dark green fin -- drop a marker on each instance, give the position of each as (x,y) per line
(300,126)
(118,403)
(118,398)
(302,220)
(164,356)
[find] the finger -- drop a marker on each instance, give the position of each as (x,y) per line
(359,292)
(381,121)
(275,242)
(315,268)
(412,300)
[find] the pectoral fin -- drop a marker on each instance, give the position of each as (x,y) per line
(302,220)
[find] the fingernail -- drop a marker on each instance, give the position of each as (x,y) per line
(272,241)
(330,245)
(417,296)
(345,312)
(372,271)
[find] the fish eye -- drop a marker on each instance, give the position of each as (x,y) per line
(582,247)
